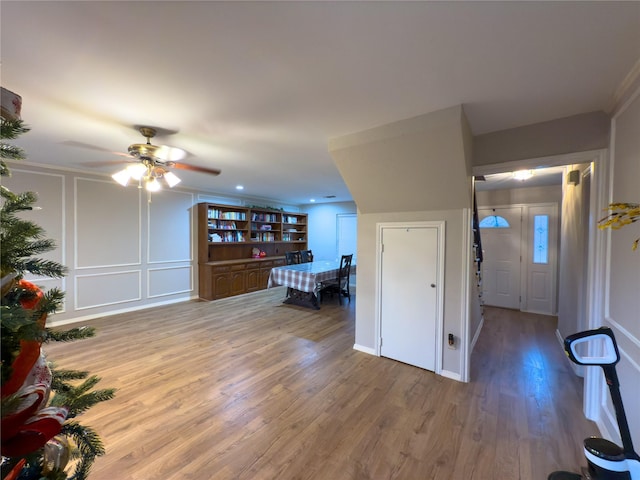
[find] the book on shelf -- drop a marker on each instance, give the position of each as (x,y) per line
(223,225)
(216,213)
(267,237)
(264,217)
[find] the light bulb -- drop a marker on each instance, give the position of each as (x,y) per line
(171,179)
(137,170)
(153,185)
(122,177)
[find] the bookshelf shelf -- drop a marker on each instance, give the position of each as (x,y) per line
(227,236)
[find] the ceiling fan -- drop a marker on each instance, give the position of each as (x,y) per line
(153,163)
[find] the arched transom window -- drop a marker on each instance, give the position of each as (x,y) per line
(494,221)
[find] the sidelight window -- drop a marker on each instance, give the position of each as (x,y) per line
(541,239)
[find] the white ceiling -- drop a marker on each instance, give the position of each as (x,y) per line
(257,88)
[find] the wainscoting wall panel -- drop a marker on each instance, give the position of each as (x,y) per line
(169,225)
(107,226)
(169,281)
(622,264)
(49,211)
(123,253)
(98,290)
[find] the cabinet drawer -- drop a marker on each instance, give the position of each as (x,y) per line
(227,268)
(221,269)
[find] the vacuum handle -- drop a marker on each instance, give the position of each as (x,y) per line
(603,336)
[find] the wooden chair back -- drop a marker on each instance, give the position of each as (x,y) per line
(292,258)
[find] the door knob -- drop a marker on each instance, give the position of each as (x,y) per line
(433,285)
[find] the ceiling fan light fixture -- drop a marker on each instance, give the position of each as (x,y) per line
(171,179)
(122,177)
(152,185)
(137,170)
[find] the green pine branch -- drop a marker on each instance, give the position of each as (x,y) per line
(78,399)
(78,333)
(12,129)
(88,444)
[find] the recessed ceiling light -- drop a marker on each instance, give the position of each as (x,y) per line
(312,200)
(239,187)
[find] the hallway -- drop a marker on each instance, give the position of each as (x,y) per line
(527,391)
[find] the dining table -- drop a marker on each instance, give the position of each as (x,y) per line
(304,280)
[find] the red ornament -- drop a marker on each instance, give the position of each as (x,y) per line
(29,349)
(31,303)
(35,432)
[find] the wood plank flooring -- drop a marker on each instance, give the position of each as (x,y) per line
(249,388)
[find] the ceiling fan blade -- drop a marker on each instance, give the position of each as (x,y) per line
(107,162)
(193,168)
(73,143)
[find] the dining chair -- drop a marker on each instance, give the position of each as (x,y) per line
(340,284)
(292,258)
(306,256)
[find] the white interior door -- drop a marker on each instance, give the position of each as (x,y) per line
(501,257)
(408,295)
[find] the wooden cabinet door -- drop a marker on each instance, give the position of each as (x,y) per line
(221,285)
(237,283)
(253,280)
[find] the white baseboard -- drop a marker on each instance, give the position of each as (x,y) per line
(85,318)
(362,348)
(451,375)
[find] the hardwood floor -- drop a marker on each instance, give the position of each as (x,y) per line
(249,388)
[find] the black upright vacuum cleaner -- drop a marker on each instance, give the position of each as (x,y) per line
(605,459)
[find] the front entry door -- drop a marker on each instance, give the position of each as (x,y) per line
(408,295)
(501,256)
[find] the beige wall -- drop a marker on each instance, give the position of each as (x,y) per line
(578,133)
(416,169)
(573,260)
(516,196)
(415,164)
(455,280)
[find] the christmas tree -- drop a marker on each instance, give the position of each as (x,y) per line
(40,433)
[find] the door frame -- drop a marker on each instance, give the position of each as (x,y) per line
(600,160)
(526,250)
(440,227)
